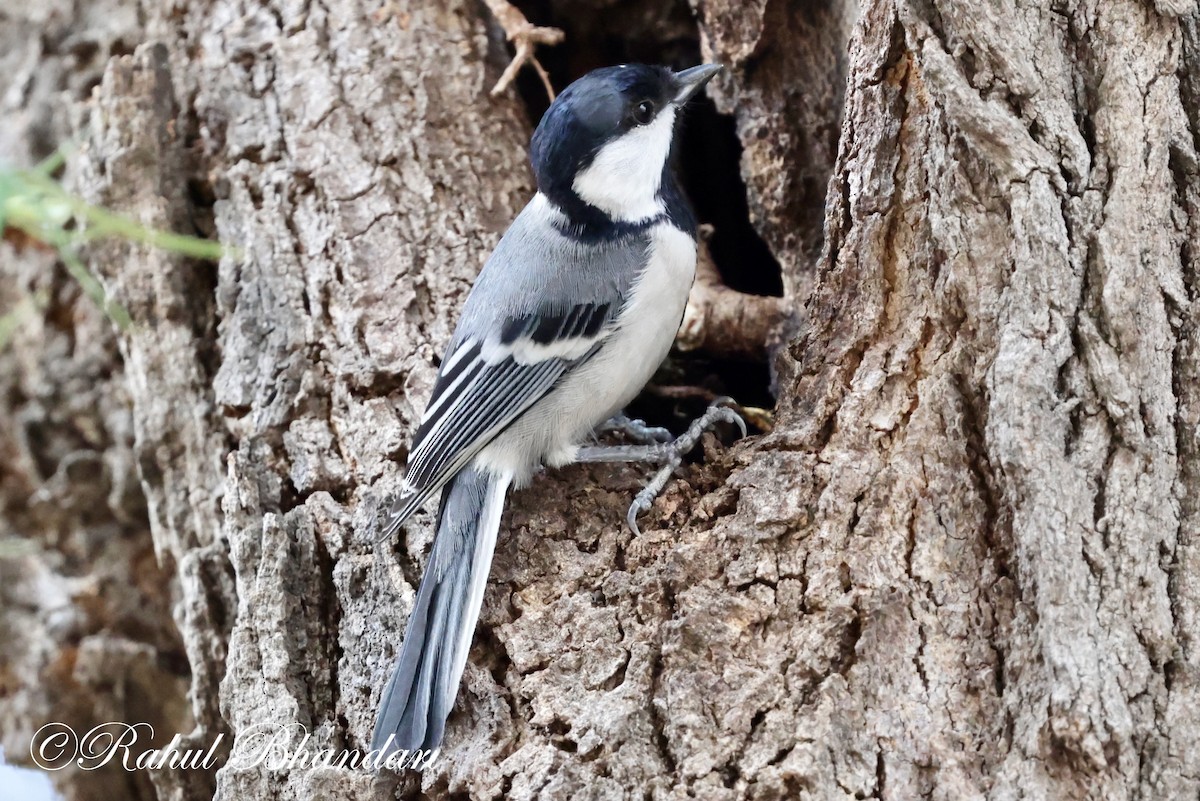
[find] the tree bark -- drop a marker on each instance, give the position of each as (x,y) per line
(963,565)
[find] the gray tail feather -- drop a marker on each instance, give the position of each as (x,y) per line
(418,698)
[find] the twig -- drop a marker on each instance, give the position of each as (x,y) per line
(526,36)
(722,321)
(762,419)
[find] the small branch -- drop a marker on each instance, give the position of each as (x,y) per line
(526,37)
(724,322)
(762,419)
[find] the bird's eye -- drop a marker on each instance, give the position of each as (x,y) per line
(643,112)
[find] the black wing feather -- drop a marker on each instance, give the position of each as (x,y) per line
(474,400)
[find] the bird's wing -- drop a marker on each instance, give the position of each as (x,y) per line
(521,330)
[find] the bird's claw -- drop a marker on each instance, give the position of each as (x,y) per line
(727,404)
(631,518)
(636,430)
(717,412)
(645,498)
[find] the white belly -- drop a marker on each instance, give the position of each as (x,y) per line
(551,431)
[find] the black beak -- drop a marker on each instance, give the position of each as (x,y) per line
(690,81)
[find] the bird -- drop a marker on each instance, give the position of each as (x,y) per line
(569,318)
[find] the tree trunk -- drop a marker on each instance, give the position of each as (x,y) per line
(963,565)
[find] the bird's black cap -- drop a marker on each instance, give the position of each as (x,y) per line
(598,108)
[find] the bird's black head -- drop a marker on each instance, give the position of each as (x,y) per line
(603,145)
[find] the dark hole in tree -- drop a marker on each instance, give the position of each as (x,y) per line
(707,162)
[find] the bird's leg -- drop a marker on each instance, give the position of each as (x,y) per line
(668,454)
(635,430)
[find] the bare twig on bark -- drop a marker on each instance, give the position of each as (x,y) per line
(762,419)
(525,36)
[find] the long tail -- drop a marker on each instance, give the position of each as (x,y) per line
(417,700)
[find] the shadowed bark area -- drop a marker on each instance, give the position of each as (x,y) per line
(964,564)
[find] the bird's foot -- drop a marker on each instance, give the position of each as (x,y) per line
(668,454)
(718,412)
(634,430)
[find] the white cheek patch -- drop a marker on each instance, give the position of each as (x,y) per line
(624,178)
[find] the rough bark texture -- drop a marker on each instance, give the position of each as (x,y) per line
(965,564)
(86,630)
